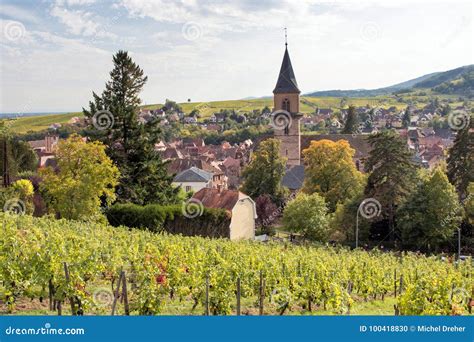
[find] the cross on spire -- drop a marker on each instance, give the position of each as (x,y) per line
(286,37)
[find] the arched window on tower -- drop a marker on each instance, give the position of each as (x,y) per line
(286,105)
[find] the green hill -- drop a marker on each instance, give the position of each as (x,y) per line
(456,81)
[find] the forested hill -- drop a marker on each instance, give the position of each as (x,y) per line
(459,81)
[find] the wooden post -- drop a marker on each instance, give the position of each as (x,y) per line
(60,309)
(51,290)
(401,284)
(207,295)
(262,293)
(71,299)
(117,293)
(395,282)
(125,294)
(238,296)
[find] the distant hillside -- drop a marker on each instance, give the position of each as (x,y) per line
(455,81)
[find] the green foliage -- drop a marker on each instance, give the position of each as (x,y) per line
(352,122)
(307,215)
(131,144)
(392,173)
(21,158)
(469,204)
(265,171)
(430,216)
(406,119)
(85,178)
(461,160)
(170,218)
(330,171)
(165,268)
(20,195)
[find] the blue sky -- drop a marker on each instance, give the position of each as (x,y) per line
(54,53)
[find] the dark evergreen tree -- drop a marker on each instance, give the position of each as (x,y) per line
(406,119)
(352,123)
(392,173)
(461,160)
(130,143)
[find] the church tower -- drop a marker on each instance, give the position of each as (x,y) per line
(286,97)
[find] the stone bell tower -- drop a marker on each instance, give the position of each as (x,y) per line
(286,97)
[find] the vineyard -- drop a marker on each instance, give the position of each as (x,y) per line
(74,265)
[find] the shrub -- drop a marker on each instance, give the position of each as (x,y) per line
(170,218)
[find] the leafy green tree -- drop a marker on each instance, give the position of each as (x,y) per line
(307,215)
(469,204)
(131,144)
(172,107)
(86,177)
(265,171)
(331,172)
(18,197)
(16,156)
(392,173)
(461,160)
(431,215)
(352,122)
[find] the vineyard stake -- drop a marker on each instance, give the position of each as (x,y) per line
(262,293)
(401,284)
(50,287)
(238,296)
(395,282)
(125,294)
(116,294)
(207,295)
(71,299)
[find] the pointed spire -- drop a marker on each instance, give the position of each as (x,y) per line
(286,79)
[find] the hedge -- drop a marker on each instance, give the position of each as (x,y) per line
(157,218)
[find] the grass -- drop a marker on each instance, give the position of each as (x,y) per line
(39,123)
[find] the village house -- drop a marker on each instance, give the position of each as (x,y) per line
(240,207)
(193,179)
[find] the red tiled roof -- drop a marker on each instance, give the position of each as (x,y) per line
(213,198)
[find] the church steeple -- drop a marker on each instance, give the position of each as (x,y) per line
(286,79)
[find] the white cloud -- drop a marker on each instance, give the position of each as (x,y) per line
(78,22)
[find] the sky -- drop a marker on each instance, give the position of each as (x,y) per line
(53,54)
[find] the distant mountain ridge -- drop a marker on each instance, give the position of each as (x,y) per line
(455,81)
